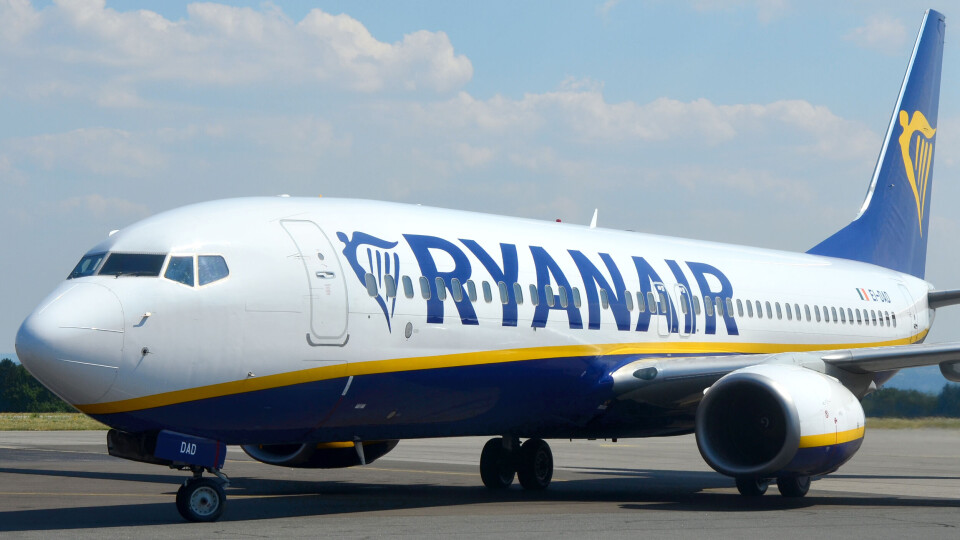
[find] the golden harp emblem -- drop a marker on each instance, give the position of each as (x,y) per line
(917,156)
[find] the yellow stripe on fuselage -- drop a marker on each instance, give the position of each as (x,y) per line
(395,365)
(831,439)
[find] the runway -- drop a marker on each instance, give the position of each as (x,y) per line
(903,483)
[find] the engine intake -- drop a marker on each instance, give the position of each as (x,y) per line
(778,420)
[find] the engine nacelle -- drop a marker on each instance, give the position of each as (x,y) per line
(774,420)
(317,455)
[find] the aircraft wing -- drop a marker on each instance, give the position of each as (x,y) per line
(681,381)
(874,359)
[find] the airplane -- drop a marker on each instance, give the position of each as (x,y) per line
(317,333)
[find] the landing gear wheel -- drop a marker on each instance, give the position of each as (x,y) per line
(535,466)
(751,487)
(793,486)
(496,465)
(201,499)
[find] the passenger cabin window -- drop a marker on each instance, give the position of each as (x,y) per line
(604,301)
(806,310)
(407,287)
(425,288)
(563,296)
(749,309)
(518,293)
(739,308)
(534,295)
(211,268)
(87,265)
(441,288)
(132,264)
(759,310)
(391,285)
(708,305)
(504,293)
(455,290)
(696,305)
(769,311)
(719,307)
(893,317)
(786,307)
(487,292)
(729,302)
(779,313)
(640,303)
(371,282)
(180,269)
(576,297)
(471,290)
(548,291)
(652,301)
(626,295)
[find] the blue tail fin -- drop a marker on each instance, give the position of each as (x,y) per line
(891,229)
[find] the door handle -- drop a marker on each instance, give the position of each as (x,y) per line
(325,274)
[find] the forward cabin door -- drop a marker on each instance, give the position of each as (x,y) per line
(325,281)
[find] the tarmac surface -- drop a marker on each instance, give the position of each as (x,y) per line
(902,483)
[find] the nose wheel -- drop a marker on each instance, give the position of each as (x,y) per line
(202,499)
(503,458)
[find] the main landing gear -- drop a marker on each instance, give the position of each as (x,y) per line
(202,499)
(504,457)
(789,486)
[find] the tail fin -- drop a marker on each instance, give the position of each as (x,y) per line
(891,228)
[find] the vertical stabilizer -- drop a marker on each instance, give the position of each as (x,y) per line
(891,228)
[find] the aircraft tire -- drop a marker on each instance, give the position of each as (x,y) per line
(793,486)
(535,465)
(201,500)
(751,487)
(496,465)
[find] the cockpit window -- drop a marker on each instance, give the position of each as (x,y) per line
(132,264)
(180,269)
(87,265)
(211,268)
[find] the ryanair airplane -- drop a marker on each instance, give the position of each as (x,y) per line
(318,333)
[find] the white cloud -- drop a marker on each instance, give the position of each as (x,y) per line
(101,151)
(767,10)
(607,6)
(103,54)
(586,117)
(473,156)
(881,33)
(100,207)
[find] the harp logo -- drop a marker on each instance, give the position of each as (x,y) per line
(372,256)
(916,145)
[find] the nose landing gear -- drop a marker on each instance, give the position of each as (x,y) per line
(504,457)
(202,499)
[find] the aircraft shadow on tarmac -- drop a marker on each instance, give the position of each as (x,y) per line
(259,498)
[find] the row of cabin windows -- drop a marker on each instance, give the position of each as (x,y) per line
(657,302)
(818,313)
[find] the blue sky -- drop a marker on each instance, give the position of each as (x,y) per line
(746,121)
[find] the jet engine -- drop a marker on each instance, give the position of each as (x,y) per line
(774,420)
(318,455)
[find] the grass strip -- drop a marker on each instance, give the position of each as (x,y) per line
(48,422)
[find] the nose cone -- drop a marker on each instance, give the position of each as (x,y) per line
(72,343)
